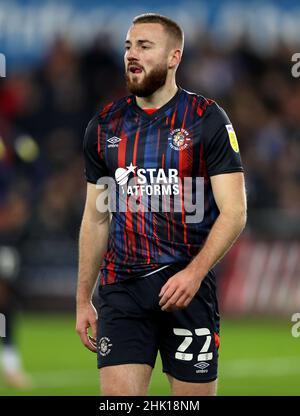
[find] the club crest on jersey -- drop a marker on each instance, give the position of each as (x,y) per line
(179,139)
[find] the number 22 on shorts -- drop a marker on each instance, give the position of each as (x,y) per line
(188,339)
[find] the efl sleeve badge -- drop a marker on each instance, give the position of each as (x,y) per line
(232,138)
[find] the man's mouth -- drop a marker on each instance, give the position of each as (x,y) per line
(135,69)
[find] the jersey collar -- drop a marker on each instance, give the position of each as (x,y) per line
(160,110)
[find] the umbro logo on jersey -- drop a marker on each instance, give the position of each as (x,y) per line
(113,141)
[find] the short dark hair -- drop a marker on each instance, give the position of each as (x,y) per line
(171,27)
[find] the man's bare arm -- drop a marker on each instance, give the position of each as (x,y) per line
(230,196)
(92,247)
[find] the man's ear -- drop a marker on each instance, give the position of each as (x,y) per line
(175,58)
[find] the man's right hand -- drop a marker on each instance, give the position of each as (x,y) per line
(87,318)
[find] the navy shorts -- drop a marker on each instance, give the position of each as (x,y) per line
(132,328)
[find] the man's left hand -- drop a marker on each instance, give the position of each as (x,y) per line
(179,290)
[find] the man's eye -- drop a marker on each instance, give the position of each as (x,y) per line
(145,47)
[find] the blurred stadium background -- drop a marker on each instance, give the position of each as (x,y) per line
(63,59)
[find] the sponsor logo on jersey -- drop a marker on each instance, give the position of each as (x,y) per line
(232,138)
(179,139)
(150,181)
(152,190)
(113,141)
(122,174)
(104,346)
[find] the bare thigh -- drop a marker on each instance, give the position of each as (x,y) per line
(183,388)
(125,380)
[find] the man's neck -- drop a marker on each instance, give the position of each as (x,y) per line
(159,98)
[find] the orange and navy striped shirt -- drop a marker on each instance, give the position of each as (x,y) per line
(149,156)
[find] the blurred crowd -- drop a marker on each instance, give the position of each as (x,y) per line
(44,112)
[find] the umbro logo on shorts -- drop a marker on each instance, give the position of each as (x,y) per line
(201,365)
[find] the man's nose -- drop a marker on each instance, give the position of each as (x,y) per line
(132,55)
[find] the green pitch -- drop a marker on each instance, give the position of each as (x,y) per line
(256,358)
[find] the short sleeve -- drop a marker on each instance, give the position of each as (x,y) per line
(220,143)
(95,166)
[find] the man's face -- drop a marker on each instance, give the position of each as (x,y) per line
(146,58)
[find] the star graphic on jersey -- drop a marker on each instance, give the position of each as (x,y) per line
(131,168)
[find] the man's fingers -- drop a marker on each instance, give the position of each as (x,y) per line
(172,303)
(93,341)
(183,302)
(187,302)
(85,340)
(172,300)
(163,289)
(170,291)
(94,329)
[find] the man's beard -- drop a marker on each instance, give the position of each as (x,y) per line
(151,82)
